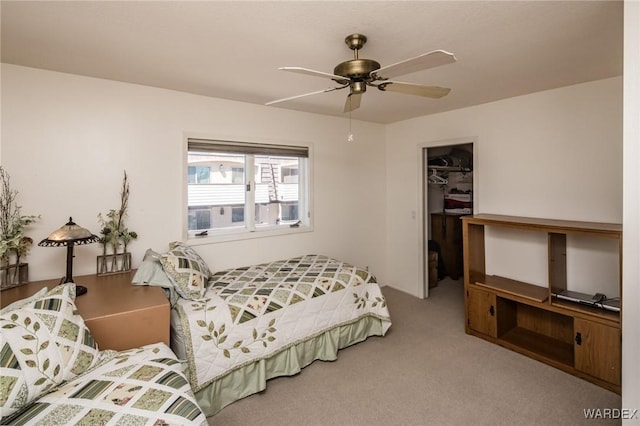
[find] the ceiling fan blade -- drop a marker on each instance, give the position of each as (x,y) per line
(353,102)
(419,63)
(340,79)
(330,89)
(414,89)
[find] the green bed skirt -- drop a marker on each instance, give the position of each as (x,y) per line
(253,378)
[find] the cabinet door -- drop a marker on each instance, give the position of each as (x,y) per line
(598,350)
(481,311)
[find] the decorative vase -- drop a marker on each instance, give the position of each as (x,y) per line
(13,275)
(113,263)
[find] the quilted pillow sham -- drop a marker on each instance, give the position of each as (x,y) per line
(150,271)
(186,269)
(44,343)
(142,386)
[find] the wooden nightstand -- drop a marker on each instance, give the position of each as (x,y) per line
(119,315)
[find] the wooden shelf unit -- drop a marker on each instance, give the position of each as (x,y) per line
(527,318)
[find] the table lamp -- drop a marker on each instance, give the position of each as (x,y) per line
(70,235)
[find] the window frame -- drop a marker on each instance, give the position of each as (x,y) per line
(250,230)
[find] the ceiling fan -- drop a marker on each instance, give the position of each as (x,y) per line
(357,74)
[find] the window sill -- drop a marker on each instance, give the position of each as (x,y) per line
(239,235)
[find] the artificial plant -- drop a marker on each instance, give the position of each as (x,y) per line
(113,232)
(13,242)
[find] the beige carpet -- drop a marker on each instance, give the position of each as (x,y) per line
(426,371)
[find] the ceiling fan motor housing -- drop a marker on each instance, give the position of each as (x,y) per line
(356,68)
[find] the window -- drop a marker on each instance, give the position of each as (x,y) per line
(199,174)
(199,218)
(237,175)
(289,212)
(288,174)
(237,214)
(237,187)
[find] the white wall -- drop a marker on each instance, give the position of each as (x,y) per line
(554,154)
(631,214)
(67,139)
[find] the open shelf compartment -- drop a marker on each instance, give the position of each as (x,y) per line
(538,331)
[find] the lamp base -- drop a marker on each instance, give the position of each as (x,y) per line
(80,289)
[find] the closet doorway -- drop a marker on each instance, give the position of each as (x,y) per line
(448,194)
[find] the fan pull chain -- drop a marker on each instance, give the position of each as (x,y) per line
(350,137)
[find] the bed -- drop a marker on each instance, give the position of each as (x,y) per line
(246,325)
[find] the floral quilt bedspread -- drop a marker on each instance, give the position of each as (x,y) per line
(254,312)
(144,386)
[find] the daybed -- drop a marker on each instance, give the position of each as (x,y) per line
(52,372)
(240,327)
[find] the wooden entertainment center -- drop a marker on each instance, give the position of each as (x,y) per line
(582,340)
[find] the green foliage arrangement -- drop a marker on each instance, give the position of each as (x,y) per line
(113,232)
(13,242)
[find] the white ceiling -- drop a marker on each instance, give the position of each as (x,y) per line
(232,49)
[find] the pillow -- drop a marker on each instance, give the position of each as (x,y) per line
(18,303)
(44,342)
(151,272)
(186,269)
